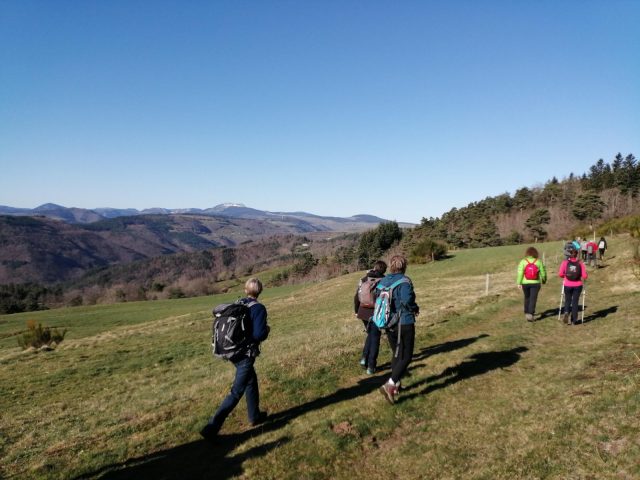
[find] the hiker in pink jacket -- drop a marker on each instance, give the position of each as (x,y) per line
(574,273)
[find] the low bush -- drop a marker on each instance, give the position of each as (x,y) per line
(36,336)
(428,250)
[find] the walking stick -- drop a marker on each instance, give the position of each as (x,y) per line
(561,301)
(584,299)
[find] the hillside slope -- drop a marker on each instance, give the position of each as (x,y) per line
(489,396)
(48,251)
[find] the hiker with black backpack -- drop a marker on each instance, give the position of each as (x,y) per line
(238,330)
(531,276)
(396,312)
(602,246)
(574,274)
(363,303)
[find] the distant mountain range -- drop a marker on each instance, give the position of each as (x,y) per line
(232,210)
(51,243)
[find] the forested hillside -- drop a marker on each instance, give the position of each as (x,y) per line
(555,210)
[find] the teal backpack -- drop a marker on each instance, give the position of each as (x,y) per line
(382,315)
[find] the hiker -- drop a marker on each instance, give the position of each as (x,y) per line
(592,248)
(531,276)
(574,273)
(246,380)
(602,246)
(401,336)
(577,243)
(363,303)
(583,249)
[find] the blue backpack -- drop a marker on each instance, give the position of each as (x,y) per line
(382,315)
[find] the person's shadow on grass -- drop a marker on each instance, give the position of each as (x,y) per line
(474,365)
(202,459)
(440,348)
(550,312)
(600,314)
(194,460)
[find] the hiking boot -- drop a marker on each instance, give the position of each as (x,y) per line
(529,317)
(262,416)
(363,362)
(389,391)
(371,371)
(566,319)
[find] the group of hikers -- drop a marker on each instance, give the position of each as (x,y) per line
(384,302)
(532,275)
(247,319)
(590,251)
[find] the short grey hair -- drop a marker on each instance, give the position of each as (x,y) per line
(253,287)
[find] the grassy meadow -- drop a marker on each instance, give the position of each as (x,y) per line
(490,396)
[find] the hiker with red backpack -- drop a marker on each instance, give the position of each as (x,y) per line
(242,352)
(363,303)
(396,312)
(574,274)
(592,249)
(531,276)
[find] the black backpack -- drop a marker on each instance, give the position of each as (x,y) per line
(232,328)
(573,271)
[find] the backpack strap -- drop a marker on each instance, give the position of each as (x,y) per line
(247,304)
(394,284)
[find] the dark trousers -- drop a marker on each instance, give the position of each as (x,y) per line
(246,382)
(530,297)
(403,352)
(371,345)
(572,301)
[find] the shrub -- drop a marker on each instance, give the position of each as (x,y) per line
(427,250)
(514,238)
(36,336)
(176,293)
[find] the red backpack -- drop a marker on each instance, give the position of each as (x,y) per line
(531,271)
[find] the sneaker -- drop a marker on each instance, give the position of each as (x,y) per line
(371,371)
(262,416)
(389,391)
(529,317)
(363,362)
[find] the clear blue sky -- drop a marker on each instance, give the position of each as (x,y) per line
(310,105)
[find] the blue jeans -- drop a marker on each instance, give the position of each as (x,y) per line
(371,345)
(246,382)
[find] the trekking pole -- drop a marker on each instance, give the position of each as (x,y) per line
(584,299)
(561,301)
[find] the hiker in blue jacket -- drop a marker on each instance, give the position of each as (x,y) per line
(402,336)
(246,380)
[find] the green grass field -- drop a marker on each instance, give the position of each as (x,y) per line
(490,396)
